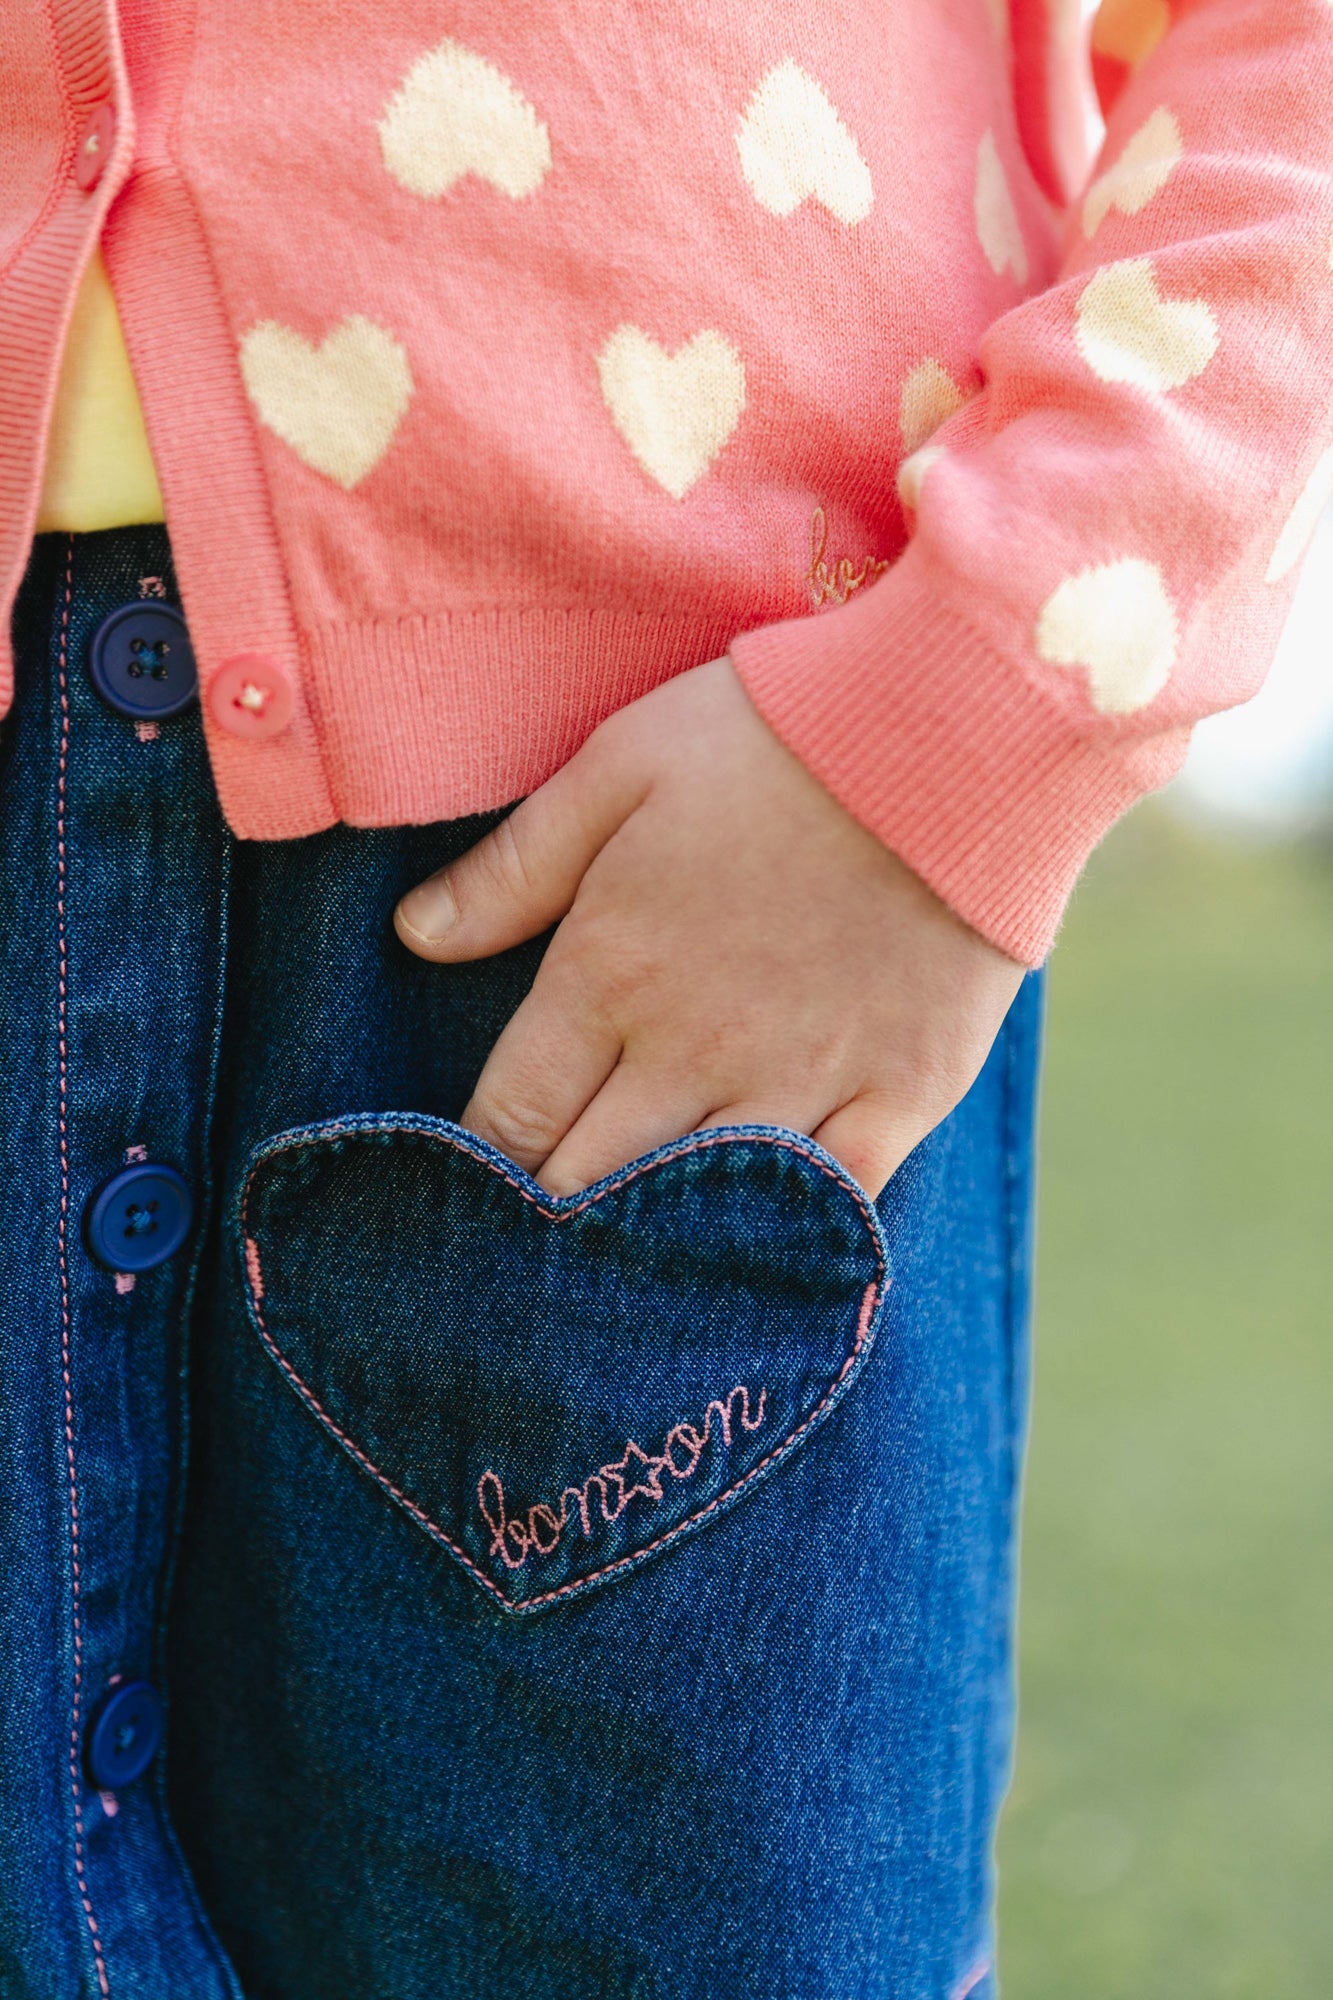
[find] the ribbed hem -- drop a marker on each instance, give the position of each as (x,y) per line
(429,718)
(990,790)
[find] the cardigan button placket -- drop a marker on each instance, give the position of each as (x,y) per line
(94,148)
(250,696)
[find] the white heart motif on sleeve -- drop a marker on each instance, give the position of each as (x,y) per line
(912,473)
(338,403)
(674,411)
(1143,169)
(1118,624)
(794,148)
(1127,332)
(929,396)
(998,229)
(454,114)
(1298,529)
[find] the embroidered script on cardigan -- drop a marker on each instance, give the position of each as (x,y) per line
(834,583)
(636,1474)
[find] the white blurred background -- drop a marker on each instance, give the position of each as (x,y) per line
(1264,771)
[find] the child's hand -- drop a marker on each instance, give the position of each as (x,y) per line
(735,949)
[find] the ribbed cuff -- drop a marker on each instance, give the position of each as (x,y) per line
(990,790)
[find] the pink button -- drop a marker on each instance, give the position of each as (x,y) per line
(94,147)
(251,696)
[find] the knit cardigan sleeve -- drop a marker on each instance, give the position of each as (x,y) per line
(1107,536)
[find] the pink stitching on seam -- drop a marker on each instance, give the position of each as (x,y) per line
(970,1980)
(646,1479)
(256,1276)
(76,1716)
(874,1291)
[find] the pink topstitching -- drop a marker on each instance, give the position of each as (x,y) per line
(634,1473)
(970,1980)
(76,1716)
(253,1272)
(874,1291)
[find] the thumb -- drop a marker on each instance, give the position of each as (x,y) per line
(525,874)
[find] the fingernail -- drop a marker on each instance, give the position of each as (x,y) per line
(429,911)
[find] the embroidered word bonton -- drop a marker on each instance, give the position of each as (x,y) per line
(635,1474)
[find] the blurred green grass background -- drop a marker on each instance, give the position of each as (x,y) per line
(1170,1830)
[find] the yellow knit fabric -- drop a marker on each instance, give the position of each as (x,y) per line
(99,470)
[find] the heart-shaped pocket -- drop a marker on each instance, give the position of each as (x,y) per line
(555,1391)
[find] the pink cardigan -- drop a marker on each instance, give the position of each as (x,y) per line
(501,361)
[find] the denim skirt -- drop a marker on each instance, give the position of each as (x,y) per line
(415,1588)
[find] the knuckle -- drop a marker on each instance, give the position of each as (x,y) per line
(517,1124)
(619,983)
(601,969)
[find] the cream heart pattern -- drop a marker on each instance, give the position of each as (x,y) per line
(929,395)
(454,114)
(1298,530)
(1119,625)
(337,404)
(1127,332)
(998,230)
(795,148)
(674,411)
(912,474)
(1143,169)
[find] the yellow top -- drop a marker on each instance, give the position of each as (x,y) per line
(99,470)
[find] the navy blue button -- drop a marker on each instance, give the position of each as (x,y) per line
(142,661)
(124,1735)
(138,1218)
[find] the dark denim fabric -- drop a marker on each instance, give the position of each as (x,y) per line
(598,1600)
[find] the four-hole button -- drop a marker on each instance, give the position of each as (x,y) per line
(139,1217)
(142,662)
